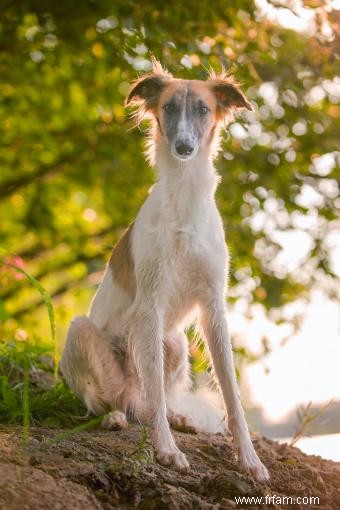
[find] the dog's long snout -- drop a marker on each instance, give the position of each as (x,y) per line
(183,149)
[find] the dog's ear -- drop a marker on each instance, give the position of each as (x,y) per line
(228,95)
(146,90)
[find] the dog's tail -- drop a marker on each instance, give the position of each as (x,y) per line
(201,408)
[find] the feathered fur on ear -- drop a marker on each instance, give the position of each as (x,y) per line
(228,93)
(146,90)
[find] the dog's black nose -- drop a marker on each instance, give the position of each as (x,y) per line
(183,149)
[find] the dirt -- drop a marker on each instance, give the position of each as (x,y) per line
(115,470)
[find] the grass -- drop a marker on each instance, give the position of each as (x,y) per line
(50,310)
(29,394)
(139,458)
(31,391)
(306,417)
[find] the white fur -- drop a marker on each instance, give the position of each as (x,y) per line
(181,266)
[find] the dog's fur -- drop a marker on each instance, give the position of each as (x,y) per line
(170,267)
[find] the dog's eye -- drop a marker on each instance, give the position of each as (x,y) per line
(203,110)
(169,108)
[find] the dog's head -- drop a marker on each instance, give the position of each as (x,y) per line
(187,111)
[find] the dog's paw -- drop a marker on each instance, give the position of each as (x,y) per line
(257,470)
(115,420)
(175,459)
(252,465)
(182,423)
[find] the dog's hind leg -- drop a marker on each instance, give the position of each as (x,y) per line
(92,370)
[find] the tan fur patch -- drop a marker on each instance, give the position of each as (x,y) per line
(173,86)
(203,89)
(121,263)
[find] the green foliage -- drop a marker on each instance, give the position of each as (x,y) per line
(73,173)
(142,456)
(28,395)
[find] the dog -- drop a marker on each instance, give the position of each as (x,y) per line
(130,354)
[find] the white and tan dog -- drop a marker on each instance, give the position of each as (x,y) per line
(130,354)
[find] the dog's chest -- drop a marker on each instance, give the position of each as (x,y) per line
(183,239)
(193,254)
(196,232)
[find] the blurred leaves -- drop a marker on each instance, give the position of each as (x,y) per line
(73,173)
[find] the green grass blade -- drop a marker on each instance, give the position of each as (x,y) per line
(26,403)
(49,305)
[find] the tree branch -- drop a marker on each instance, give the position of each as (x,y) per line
(9,187)
(60,265)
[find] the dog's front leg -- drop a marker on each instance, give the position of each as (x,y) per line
(146,337)
(216,331)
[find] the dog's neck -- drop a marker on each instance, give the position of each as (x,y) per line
(186,186)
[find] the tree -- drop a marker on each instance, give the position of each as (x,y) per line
(73,174)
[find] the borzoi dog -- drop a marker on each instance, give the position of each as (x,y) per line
(130,354)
